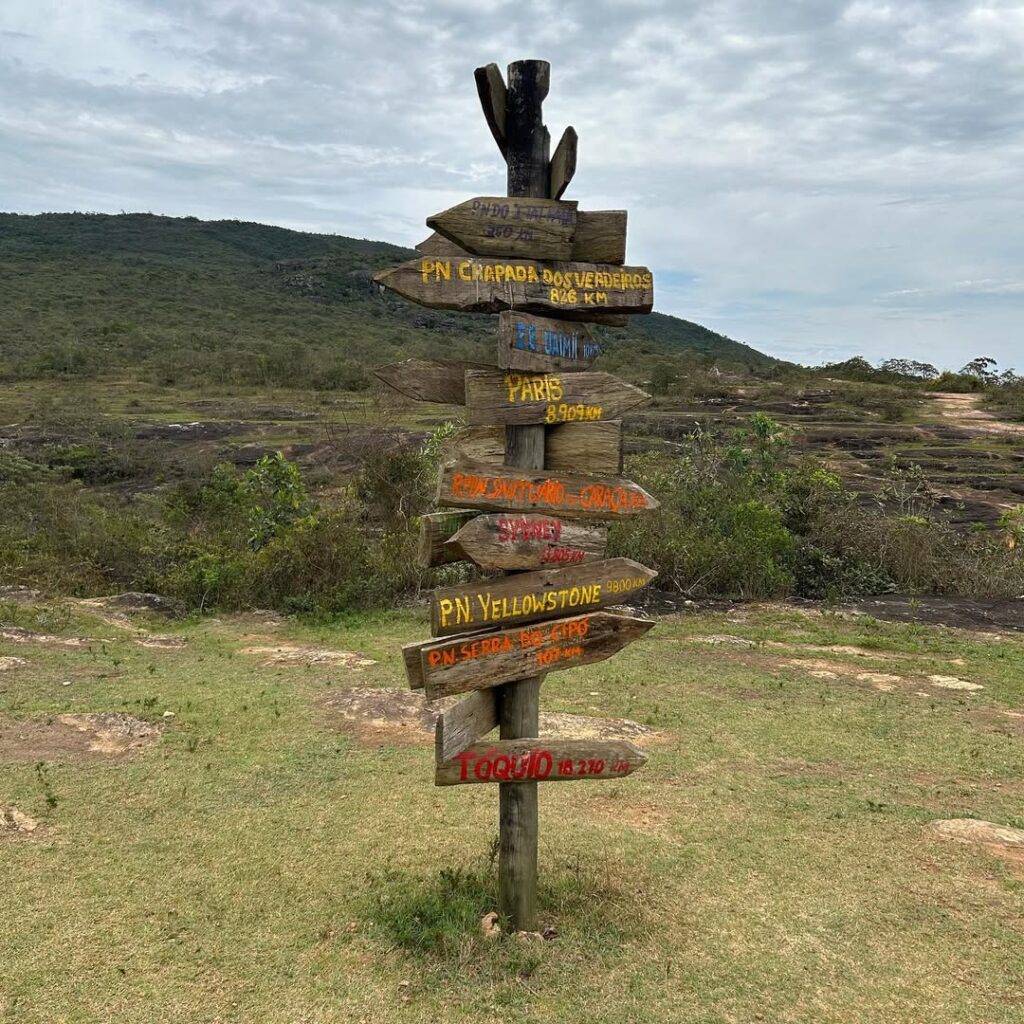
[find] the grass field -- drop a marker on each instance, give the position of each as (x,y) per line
(266,859)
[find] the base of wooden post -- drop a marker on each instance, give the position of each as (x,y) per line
(518,814)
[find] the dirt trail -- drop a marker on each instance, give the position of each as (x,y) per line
(965,411)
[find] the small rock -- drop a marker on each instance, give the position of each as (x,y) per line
(972,830)
(168,714)
(549,934)
(529,936)
(725,638)
(67,682)
(489,927)
(13,820)
(11,662)
(952,683)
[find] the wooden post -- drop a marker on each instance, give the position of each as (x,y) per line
(527,155)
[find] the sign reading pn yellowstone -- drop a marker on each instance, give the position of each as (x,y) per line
(531,483)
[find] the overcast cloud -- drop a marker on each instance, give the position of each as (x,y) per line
(815,178)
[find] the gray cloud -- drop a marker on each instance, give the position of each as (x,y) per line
(817,178)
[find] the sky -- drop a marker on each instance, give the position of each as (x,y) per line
(818,179)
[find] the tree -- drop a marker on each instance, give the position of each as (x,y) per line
(983,368)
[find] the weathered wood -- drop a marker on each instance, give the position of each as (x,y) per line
(437,245)
(591,448)
(512,397)
(490,87)
(563,162)
(538,229)
(428,380)
(516,542)
(521,490)
(541,760)
(519,702)
(465,723)
(490,659)
(569,447)
(535,596)
(539,344)
(436,529)
(573,291)
(600,237)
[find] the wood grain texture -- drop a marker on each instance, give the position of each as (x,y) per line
(519,702)
(437,245)
(573,291)
(497,489)
(490,87)
(594,448)
(563,162)
(535,596)
(514,541)
(539,344)
(600,237)
(526,228)
(523,761)
(436,530)
(517,397)
(490,659)
(462,725)
(428,380)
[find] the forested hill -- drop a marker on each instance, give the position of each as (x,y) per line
(176,300)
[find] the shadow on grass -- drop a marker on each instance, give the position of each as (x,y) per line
(436,917)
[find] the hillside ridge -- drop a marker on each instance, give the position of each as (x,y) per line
(178,298)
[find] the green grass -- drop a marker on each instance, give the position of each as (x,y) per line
(772,862)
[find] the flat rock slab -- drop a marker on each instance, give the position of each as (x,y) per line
(74,736)
(11,662)
(291,654)
(16,823)
(382,714)
(18,635)
(1000,840)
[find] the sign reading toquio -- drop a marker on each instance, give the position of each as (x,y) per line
(528,484)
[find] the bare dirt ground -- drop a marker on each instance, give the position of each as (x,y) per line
(74,737)
(384,715)
(964,410)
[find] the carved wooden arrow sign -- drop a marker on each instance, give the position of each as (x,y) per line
(574,291)
(428,380)
(494,489)
(568,447)
(536,229)
(483,660)
(540,229)
(464,723)
(539,344)
(514,541)
(514,397)
(534,596)
(541,760)
(436,530)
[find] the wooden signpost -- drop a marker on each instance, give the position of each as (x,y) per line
(538,344)
(488,659)
(514,397)
(525,486)
(477,284)
(548,230)
(580,497)
(530,596)
(516,542)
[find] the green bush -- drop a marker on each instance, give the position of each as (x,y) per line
(744,520)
